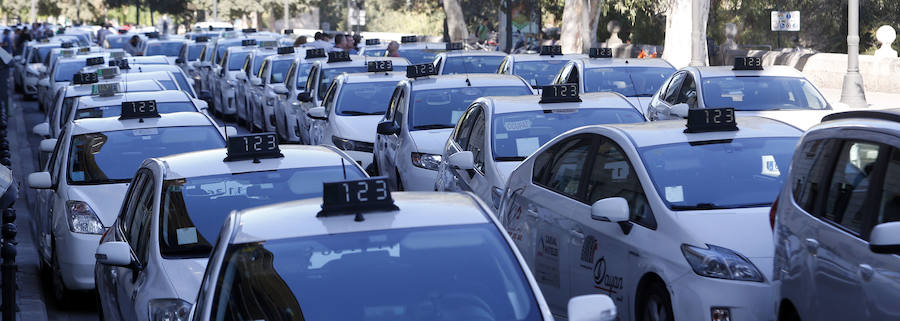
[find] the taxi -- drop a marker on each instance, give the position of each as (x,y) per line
(165,101)
(497,133)
(226,84)
(297,259)
(33,69)
(637,79)
(174,209)
(668,218)
(212,67)
(190,55)
(177,79)
(419,52)
(272,75)
(61,74)
(287,107)
(322,73)
(373,48)
(538,70)
(88,173)
(458,61)
(779,92)
(246,80)
(423,111)
(164,46)
(353,109)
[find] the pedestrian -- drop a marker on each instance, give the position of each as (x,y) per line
(301,41)
(393,49)
(131,47)
(483,31)
(322,41)
(165,26)
(344,43)
(6,42)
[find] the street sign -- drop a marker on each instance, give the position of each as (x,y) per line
(785,20)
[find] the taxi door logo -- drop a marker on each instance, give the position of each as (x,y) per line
(604,281)
(546,263)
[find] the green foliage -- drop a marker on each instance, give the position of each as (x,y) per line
(420,17)
(640,24)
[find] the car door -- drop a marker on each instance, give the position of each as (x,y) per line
(475,179)
(45,199)
(458,139)
(393,141)
(461,178)
(317,126)
(137,217)
(608,252)
(283,103)
(880,273)
(381,141)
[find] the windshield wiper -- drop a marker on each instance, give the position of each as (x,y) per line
(433,126)
(359,113)
(711,206)
(643,95)
(509,158)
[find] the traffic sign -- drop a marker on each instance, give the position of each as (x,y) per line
(785,20)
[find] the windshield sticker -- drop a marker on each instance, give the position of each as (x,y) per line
(769,166)
(186,235)
(513,126)
(267,186)
(77,176)
(455,115)
(675,194)
(501,135)
(145,132)
(618,170)
(526,146)
(546,265)
(224,189)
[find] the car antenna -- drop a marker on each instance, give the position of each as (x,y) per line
(343,167)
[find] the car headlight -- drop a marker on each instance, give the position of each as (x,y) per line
(169,310)
(82,218)
(426,161)
(270,101)
(347,144)
(721,263)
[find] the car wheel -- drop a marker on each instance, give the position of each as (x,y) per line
(656,305)
(61,294)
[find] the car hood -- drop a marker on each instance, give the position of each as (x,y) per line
(431,141)
(104,199)
(185,276)
(743,230)
(358,128)
(640,103)
(801,119)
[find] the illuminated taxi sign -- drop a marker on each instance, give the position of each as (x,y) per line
(248,42)
(373,42)
(67,52)
(420,70)
(67,45)
(285,50)
(454,46)
(551,50)
(710,120)
(84,50)
(108,72)
(94,61)
(408,39)
(600,53)
(122,63)
(380,65)
(116,54)
(201,39)
(105,89)
(288,31)
(268,44)
(747,63)
(248,30)
(338,56)
(253,146)
(564,93)
(356,197)
(315,53)
(83,78)
(139,109)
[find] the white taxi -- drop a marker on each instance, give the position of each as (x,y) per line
(166,101)
(272,75)
(89,171)
(61,74)
(151,261)
(357,244)
(538,70)
(287,107)
(669,220)
(373,48)
(248,79)
(423,111)
(34,67)
(418,52)
(233,61)
(497,133)
(458,61)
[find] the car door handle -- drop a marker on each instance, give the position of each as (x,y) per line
(532,212)
(866,271)
(812,245)
(577,237)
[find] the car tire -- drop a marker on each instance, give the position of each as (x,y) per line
(787,312)
(61,294)
(655,304)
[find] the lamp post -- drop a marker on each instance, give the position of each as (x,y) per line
(697,44)
(215,10)
(853,93)
(287,16)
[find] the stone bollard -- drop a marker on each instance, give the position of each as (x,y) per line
(8,268)
(886,36)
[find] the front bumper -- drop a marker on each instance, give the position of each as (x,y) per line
(75,253)
(268,117)
(694,296)
(364,159)
(228,105)
(416,178)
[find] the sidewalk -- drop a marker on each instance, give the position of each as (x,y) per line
(877,100)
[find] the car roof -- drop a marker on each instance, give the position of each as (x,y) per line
(159,59)
(211,162)
(162,96)
(463,53)
(357,60)
(364,77)
(512,104)
(672,131)
(465,80)
(536,57)
(624,62)
(281,57)
(726,71)
(298,218)
(141,85)
(422,45)
(886,120)
(181,119)
(153,68)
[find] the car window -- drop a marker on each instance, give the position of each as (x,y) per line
(809,168)
(392,106)
(329,98)
(674,88)
(688,93)
(398,109)
(476,142)
(562,171)
(131,200)
(309,79)
(761,93)
(465,127)
(849,187)
(263,69)
(140,237)
(612,175)
(53,162)
(889,208)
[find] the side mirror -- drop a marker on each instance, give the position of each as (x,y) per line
(280,89)
(42,129)
(680,110)
(240,76)
(304,97)
(114,253)
(204,95)
(613,209)
(201,104)
(593,307)
(44,82)
(885,238)
(40,180)
(47,145)
(317,113)
(387,128)
(230,131)
(256,81)
(179,61)
(462,160)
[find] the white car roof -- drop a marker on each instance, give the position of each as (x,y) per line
(623,62)
(147,60)
(357,60)
(211,162)
(162,96)
(465,53)
(726,71)
(423,45)
(512,104)
(182,119)
(298,218)
(536,57)
(145,85)
(672,131)
(465,80)
(882,120)
(152,68)
(364,77)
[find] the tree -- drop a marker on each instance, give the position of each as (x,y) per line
(456,23)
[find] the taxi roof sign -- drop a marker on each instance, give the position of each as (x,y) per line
(338,56)
(139,110)
(248,42)
(356,197)
(600,53)
(105,89)
(285,50)
(565,93)
(108,72)
(116,54)
(747,63)
(201,39)
(252,146)
(122,63)
(454,46)
(710,120)
(248,30)
(67,52)
(315,53)
(288,31)
(83,78)
(94,61)
(421,70)
(551,51)
(67,45)
(408,39)
(268,44)
(373,42)
(380,65)
(84,50)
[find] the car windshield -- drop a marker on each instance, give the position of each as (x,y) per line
(194,52)
(754,169)
(42,53)
(539,73)
(169,49)
(472,65)
(66,69)
(441,108)
(116,110)
(279,70)
(110,157)
(462,272)
(236,60)
(193,209)
(303,75)
(517,135)
(257,63)
(328,75)
(183,83)
(168,84)
(374,52)
(628,81)
(365,98)
(419,56)
(761,93)
(117,42)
